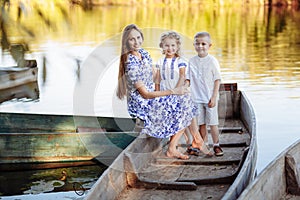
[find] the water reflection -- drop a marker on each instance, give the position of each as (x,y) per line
(260,44)
(49,180)
(257,46)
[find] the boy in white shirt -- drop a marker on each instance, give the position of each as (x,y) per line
(204,78)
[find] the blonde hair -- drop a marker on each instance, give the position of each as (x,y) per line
(203,34)
(172,35)
(125,50)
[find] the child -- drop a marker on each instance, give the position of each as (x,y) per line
(204,77)
(170,69)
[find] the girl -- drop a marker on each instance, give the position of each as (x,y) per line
(170,68)
(165,113)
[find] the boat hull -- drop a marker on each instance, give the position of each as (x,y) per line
(36,139)
(279,180)
(132,177)
(19,82)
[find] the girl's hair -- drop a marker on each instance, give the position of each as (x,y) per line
(172,35)
(122,89)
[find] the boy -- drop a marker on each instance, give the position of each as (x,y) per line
(204,77)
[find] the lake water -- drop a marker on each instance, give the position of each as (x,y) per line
(77,55)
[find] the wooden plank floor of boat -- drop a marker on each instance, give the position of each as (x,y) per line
(199,177)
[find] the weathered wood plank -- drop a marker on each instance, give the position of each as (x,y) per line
(204,192)
(199,174)
(231,156)
(29,90)
(281,176)
(28,123)
(54,147)
(137,180)
(228,87)
(292,175)
(11,79)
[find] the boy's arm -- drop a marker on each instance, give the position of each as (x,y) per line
(213,100)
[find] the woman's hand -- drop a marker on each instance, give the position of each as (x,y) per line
(181,90)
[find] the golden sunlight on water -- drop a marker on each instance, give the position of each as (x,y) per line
(257,47)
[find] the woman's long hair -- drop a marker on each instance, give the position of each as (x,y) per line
(122,88)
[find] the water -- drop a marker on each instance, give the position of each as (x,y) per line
(259,48)
(33,182)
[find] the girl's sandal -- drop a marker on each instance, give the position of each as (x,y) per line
(193,151)
(196,151)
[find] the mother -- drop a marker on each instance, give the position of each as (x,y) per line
(165,113)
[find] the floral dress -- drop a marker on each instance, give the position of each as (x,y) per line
(162,116)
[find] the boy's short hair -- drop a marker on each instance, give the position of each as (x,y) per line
(202,34)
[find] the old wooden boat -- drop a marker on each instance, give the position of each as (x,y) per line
(142,171)
(19,82)
(46,141)
(280,179)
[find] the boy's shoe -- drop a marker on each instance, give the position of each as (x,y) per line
(218,151)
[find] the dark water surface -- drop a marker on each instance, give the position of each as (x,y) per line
(259,48)
(49,180)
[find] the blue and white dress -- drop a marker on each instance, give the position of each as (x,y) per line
(162,116)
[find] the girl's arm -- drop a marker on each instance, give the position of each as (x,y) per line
(157,80)
(181,77)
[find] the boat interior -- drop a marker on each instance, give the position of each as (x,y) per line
(148,173)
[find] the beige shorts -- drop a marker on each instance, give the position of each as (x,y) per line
(206,115)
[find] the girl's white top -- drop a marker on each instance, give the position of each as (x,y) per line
(169,71)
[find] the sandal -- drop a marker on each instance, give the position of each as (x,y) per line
(196,151)
(218,151)
(193,151)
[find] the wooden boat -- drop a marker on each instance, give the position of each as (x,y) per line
(19,82)
(142,171)
(280,179)
(46,141)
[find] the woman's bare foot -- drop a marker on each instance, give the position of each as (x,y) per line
(177,155)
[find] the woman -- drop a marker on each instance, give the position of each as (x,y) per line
(165,113)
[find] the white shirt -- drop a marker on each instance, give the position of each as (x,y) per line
(169,71)
(202,73)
